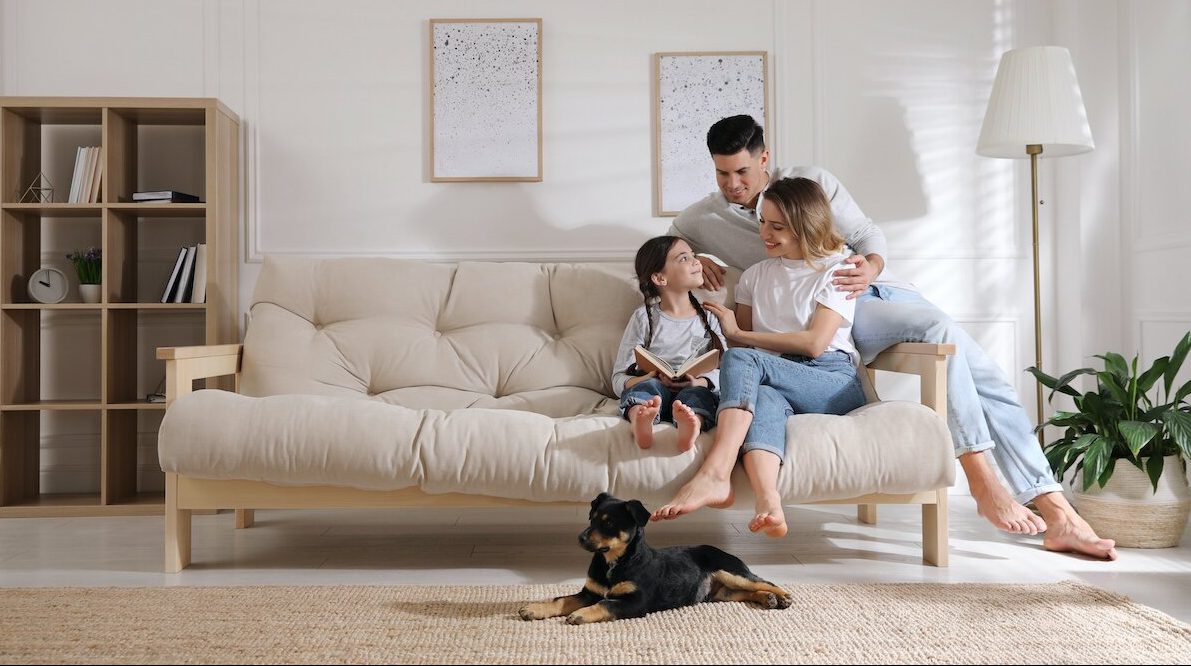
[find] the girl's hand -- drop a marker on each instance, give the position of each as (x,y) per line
(676,385)
(633,381)
(686,381)
(727,318)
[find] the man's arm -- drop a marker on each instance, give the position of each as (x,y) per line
(858,230)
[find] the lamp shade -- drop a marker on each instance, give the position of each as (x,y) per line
(1035,101)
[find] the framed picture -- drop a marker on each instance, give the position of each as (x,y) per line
(692,91)
(485,100)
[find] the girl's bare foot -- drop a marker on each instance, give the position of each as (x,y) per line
(642,416)
(690,425)
(770,516)
(703,490)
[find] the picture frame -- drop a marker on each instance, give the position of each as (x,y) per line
(486,100)
(692,90)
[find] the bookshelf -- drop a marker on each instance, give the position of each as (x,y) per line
(87,368)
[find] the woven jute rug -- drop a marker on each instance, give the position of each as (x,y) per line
(877,624)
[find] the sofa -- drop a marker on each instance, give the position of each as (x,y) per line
(380,382)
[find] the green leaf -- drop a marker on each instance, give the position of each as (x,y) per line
(1176,360)
(1178,424)
(1149,377)
(1115,363)
(1154,469)
(1063,419)
(1183,391)
(1060,458)
(1109,383)
(1137,434)
(1095,459)
(1107,473)
(1060,385)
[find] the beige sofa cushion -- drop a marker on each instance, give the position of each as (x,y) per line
(487,331)
(891,447)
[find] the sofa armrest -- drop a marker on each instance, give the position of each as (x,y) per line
(183,365)
(927,360)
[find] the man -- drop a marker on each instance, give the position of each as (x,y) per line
(983,412)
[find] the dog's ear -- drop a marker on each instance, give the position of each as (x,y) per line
(599,500)
(639,512)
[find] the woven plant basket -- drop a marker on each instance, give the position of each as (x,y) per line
(1129,511)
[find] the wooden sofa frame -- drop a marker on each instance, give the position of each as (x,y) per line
(183,494)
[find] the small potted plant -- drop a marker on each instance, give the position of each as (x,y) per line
(1141,419)
(89,266)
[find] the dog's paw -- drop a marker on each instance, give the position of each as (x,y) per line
(532,612)
(595,613)
(783,600)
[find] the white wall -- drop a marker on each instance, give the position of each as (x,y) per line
(888,95)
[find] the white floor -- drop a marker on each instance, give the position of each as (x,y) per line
(512,546)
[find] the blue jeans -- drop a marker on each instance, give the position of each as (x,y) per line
(702,401)
(775,387)
(983,411)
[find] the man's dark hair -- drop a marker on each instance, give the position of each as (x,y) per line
(734,134)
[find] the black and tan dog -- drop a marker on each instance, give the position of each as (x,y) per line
(628,578)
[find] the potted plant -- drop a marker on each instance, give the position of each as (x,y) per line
(1141,419)
(89,266)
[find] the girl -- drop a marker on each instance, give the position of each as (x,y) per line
(802,360)
(673,326)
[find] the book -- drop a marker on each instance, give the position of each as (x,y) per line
(75,185)
(198,294)
(171,285)
(186,277)
(694,366)
(164,195)
(96,176)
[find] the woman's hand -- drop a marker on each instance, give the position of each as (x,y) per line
(727,318)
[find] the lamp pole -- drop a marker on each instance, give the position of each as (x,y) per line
(1034,150)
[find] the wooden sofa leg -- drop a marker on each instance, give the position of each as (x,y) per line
(935,541)
(866,513)
(177,528)
(245,518)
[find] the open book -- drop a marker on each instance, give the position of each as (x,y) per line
(694,366)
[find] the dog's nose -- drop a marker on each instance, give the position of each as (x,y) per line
(583,536)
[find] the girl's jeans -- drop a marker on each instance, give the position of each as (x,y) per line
(775,387)
(982,408)
(702,401)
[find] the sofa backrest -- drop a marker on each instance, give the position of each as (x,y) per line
(368,326)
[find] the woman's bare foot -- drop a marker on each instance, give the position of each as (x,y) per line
(997,507)
(690,425)
(703,490)
(770,516)
(642,416)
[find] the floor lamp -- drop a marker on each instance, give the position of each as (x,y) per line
(1035,110)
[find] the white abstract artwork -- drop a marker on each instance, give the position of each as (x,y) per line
(486,101)
(694,90)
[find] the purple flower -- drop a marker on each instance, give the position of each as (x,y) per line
(88,264)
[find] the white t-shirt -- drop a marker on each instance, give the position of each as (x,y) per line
(783,294)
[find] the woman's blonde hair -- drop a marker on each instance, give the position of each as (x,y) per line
(808,213)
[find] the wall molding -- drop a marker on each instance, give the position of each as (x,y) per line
(1131,157)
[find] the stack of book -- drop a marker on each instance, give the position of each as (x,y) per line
(88,171)
(164,196)
(188,280)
